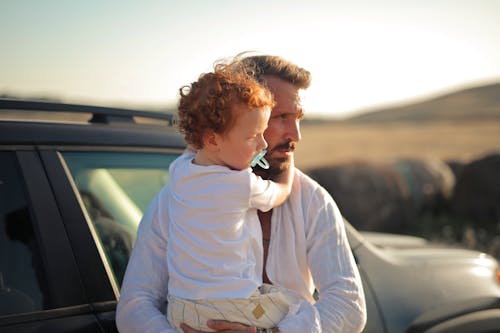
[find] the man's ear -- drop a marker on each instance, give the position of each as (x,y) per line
(211,141)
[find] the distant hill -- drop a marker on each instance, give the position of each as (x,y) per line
(478,103)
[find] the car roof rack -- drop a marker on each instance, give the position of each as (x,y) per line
(100,114)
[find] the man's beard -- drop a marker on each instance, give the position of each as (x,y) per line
(276,164)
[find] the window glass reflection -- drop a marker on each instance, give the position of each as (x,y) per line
(116,189)
(23,286)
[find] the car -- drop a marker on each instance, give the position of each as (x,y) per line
(75,181)
(413,285)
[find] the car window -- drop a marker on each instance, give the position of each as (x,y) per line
(116,189)
(23,285)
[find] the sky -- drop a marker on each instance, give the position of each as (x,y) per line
(361,54)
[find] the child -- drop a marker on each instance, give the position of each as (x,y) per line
(215,256)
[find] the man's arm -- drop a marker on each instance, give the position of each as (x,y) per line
(341,303)
(144,288)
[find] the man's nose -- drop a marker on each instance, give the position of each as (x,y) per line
(293,131)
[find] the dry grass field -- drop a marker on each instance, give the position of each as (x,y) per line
(335,142)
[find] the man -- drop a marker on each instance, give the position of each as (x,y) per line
(305,244)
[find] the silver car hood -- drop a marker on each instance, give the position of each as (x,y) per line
(408,279)
(417,250)
(384,240)
(441,256)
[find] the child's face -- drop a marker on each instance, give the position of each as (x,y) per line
(245,139)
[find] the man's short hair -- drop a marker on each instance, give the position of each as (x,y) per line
(277,66)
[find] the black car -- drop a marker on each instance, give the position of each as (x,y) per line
(74,182)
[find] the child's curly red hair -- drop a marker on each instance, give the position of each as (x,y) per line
(209,103)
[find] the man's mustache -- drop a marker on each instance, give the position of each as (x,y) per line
(285,145)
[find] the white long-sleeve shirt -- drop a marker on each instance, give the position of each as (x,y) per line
(308,250)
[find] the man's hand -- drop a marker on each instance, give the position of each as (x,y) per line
(222,326)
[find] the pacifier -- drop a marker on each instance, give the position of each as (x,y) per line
(260,160)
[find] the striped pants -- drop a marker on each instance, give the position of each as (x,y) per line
(264,309)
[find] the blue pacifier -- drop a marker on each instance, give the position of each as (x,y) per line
(260,160)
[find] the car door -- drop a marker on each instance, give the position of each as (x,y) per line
(41,289)
(102,193)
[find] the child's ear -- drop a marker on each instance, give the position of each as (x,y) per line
(211,141)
